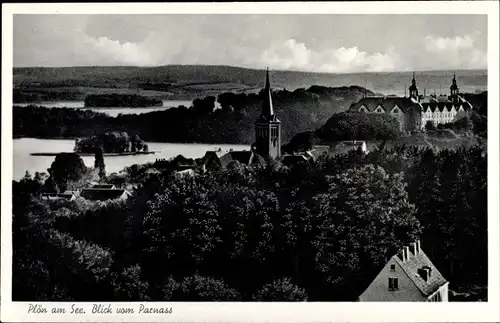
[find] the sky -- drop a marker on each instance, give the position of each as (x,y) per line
(315,43)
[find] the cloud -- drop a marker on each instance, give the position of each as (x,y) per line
(114,52)
(458,52)
(291,54)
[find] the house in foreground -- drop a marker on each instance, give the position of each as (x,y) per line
(408,276)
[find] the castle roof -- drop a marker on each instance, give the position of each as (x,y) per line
(386,102)
(436,105)
(411,268)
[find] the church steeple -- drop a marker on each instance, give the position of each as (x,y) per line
(454,88)
(268,127)
(267,104)
(413,88)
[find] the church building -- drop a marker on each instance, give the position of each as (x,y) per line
(267,140)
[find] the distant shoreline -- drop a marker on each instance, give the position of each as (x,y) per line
(104,154)
(41,104)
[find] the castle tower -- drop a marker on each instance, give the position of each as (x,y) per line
(413,88)
(268,127)
(454,89)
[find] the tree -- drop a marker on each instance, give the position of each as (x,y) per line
(128,286)
(280,290)
(65,168)
(99,162)
(430,126)
(199,288)
(181,226)
(365,215)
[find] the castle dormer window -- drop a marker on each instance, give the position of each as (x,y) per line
(395,110)
(363,109)
(379,109)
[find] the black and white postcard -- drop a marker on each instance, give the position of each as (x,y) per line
(245,162)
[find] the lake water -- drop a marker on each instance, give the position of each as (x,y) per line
(167,104)
(23,161)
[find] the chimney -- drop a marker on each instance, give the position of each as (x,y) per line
(413,246)
(418,246)
(407,251)
(402,255)
(424,92)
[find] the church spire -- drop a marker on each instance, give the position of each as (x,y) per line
(267,104)
(454,88)
(413,88)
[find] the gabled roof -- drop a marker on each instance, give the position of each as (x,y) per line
(442,102)
(386,102)
(411,267)
(102,194)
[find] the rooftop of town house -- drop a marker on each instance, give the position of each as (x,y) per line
(102,194)
(413,266)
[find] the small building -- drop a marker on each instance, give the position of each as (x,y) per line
(103,194)
(68,196)
(344,147)
(108,186)
(290,160)
(221,159)
(184,173)
(409,276)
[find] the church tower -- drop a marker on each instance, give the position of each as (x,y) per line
(454,89)
(268,127)
(413,88)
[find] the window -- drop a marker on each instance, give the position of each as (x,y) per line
(393,284)
(393,267)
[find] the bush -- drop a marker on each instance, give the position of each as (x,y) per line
(281,290)
(429,125)
(360,126)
